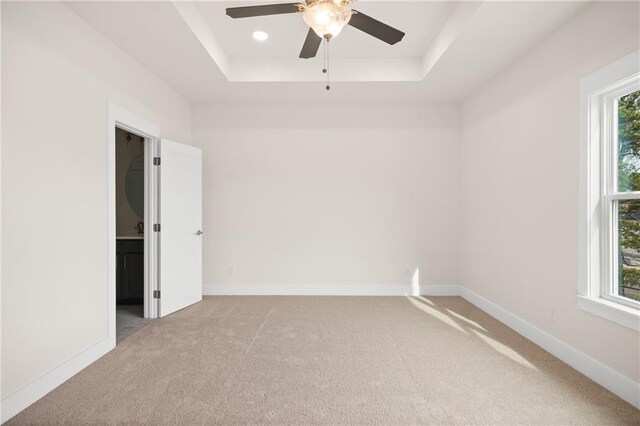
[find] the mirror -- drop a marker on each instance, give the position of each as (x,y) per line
(134,185)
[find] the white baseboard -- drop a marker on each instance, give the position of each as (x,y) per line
(21,399)
(328,290)
(619,384)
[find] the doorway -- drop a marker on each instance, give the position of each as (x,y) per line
(173,188)
(130,232)
(133,209)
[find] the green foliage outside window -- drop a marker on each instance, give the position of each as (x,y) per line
(629,142)
(629,180)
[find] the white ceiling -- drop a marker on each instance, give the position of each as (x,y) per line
(450,49)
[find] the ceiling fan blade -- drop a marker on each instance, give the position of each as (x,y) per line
(263,10)
(375,28)
(311,45)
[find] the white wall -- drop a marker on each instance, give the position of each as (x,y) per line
(303,198)
(520,183)
(58,75)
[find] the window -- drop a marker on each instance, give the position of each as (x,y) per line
(610,192)
(622,197)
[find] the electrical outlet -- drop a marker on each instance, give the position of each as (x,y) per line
(554,316)
(230,270)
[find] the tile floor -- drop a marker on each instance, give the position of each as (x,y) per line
(129,319)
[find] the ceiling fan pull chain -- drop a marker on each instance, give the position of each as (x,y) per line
(326,60)
(324,55)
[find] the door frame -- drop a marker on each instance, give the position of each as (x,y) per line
(119,117)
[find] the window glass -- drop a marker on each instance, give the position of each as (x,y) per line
(629,142)
(628,216)
(628,211)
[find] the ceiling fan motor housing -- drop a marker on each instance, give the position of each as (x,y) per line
(327,18)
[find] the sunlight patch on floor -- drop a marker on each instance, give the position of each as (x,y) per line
(465,319)
(425,300)
(504,350)
(437,314)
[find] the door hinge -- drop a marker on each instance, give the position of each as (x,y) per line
(156,227)
(156,161)
(156,294)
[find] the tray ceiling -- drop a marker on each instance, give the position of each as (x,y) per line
(450,48)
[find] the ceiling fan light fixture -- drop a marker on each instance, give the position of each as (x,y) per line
(327,17)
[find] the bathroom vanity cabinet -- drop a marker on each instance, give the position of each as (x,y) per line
(130,270)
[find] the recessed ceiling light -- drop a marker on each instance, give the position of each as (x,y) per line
(260,35)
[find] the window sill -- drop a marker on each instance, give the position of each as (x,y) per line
(612,311)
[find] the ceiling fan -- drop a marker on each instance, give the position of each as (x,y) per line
(325,18)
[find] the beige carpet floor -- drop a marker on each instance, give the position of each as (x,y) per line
(329,360)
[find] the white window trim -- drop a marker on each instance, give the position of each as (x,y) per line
(593,154)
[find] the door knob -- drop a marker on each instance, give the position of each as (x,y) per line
(199,232)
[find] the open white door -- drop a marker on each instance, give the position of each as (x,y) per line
(180,226)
